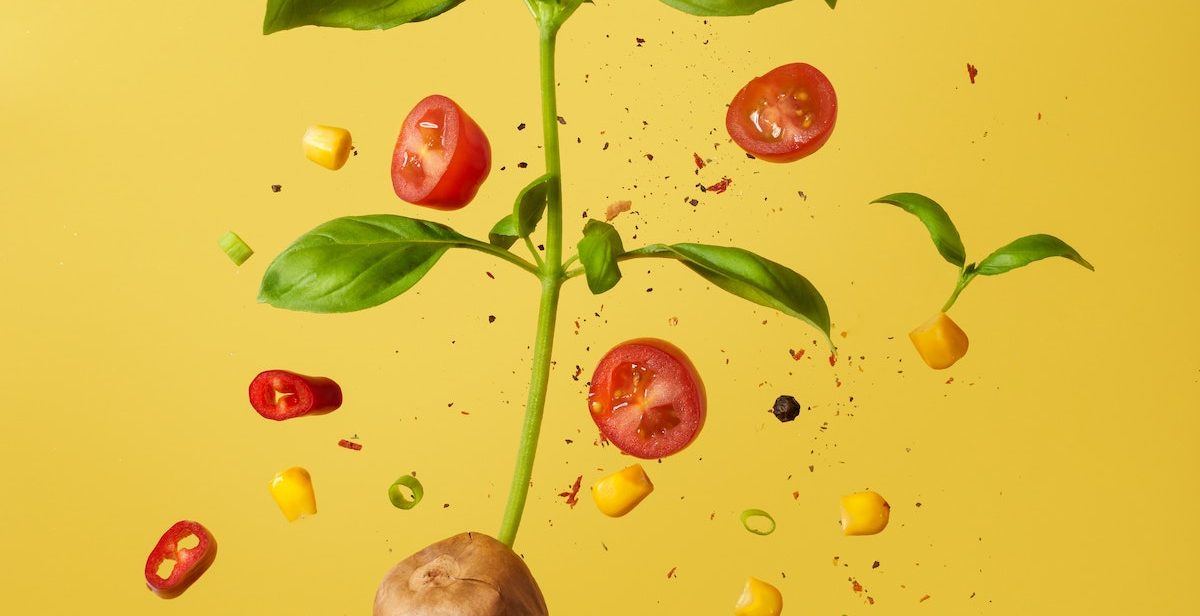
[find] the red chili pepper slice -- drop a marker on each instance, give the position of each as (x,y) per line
(189,563)
(280,395)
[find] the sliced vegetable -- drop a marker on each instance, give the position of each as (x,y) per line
(618,493)
(647,398)
(759,599)
(783,115)
(396,495)
(186,564)
(328,146)
(441,157)
(280,395)
(292,490)
(864,513)
(940,341)
(750,514)
(235,248)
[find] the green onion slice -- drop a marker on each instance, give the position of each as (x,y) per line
(757,513)
(235,247)
(396,495)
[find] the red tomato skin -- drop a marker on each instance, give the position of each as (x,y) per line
(693,399)
(466,146)
(743,131)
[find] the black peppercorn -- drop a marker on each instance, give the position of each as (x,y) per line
(786,408)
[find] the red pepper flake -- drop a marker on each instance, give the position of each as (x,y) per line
(279,187)
(832,359)
(671,573)
(699,161)
(719,187)
(348,444)
(578,371)
(855,585)
(796,494)
(573,495)
(796,355)
(870,599)
(490,275)
(923,599)
(972,71)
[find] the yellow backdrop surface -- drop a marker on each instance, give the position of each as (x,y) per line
(1051,471)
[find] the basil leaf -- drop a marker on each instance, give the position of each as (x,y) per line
(832,3)
(751,277)
(503,233)
(530,205)
(598,250)
(1026,250)
(941,228)
(355,262)
(356,14)
(722,7)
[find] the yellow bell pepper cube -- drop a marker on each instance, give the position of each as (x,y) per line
(293,492)
(940,341)
(759,599)
(864,513)
(328,146)
(618,493)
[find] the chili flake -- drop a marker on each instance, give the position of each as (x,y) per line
(348,444)
(972,71)
(573,495)
(699,161)
(719,187)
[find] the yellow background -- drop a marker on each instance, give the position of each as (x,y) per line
(1056,474)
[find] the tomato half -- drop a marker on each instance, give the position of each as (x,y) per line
(441,157)
(647,398)
(784,115)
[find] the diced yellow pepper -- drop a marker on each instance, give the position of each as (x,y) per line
(293,492)
(940,341)
(864,513)
(618,493)
(759,599)
(328,146)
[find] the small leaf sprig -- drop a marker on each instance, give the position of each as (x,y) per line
(940,341)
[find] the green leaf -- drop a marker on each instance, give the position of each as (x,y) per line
(751,277)
(941,228)
(1026,250)
(356,14)
(832,3)
(504,233)
(598,251)
(356,262)
(723,8)
(530,205)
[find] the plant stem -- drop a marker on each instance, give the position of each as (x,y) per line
(551,274)
(964,279)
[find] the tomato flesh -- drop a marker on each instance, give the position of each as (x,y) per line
(647,398)
(441,157)
(783,115)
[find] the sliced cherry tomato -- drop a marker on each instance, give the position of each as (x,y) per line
(441,157)
(784,115)
(280,395)
(647,398)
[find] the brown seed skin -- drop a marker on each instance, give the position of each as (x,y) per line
(470,574)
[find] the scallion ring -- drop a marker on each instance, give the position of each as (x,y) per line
(235,247)
(396,495)
(757,513)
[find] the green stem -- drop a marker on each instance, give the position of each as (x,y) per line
(551,274)
(964,279)
(503,254)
